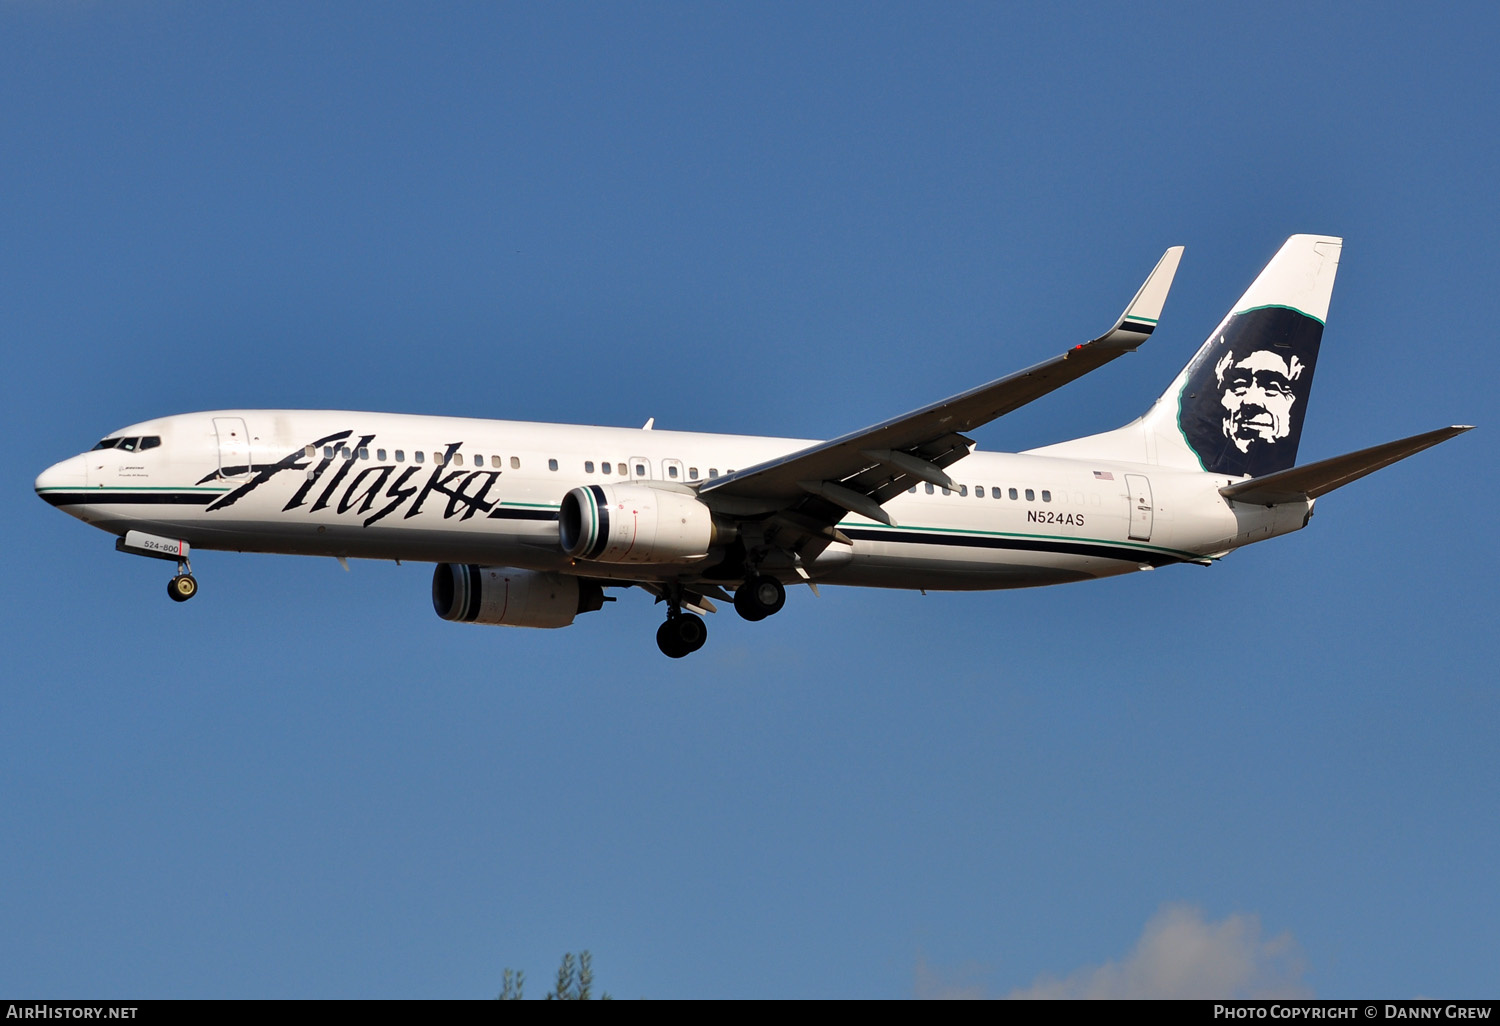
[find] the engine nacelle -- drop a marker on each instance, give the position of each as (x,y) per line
(634,523)
(466,593)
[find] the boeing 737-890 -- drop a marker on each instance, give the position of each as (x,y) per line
(529,523)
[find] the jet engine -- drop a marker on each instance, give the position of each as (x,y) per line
(466,593)
(634,523)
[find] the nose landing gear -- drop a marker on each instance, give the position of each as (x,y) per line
(182,587)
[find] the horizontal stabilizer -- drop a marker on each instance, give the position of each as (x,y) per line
(1302,483)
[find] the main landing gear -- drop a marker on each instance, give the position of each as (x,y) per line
(759,597)
(684,632)
(681,634)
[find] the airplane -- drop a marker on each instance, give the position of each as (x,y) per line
(528,523)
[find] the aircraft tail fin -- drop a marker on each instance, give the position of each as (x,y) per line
(1238,407)
(1308,482)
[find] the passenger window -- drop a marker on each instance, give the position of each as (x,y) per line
(640,470)
(478,460)
(1030,495)
(693,473)
(947,490)
(400,456)
(912,490)
(1046,495)
(364,453)
(380,455)
(515,463)
(310,451)
(979,491)
(671,471)
(996,493)
(713,472)
(605,468)
(418,456)
(1013,494)
(345,454)
(495,462)
(437,459)
(588,466)
(929,487)
(620,469)
(458,459)
(963,491)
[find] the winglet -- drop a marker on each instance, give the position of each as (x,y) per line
(1141,314)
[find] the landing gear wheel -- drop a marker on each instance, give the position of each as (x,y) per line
(182,587)
(759,597)
(681,634)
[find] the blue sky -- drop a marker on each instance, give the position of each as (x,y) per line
(763,219)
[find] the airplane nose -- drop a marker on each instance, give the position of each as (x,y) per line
(69,475)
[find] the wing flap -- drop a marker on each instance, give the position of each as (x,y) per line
(1308,482)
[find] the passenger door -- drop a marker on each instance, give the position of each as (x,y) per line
(1141,510)
(234,447)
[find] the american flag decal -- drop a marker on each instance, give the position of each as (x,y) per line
(1103,475)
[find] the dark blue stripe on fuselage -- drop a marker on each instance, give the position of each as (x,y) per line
(100,497)
(103,498)
(502,513)
(1093,549)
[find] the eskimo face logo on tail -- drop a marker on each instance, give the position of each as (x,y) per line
(1255,390)
(1246,394)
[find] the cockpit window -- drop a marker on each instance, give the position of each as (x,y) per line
(128,444)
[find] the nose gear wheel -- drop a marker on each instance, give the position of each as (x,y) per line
(182,587)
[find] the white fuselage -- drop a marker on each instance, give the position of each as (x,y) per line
(441,489)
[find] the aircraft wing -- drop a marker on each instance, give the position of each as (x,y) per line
(1308,482)
(859,471)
